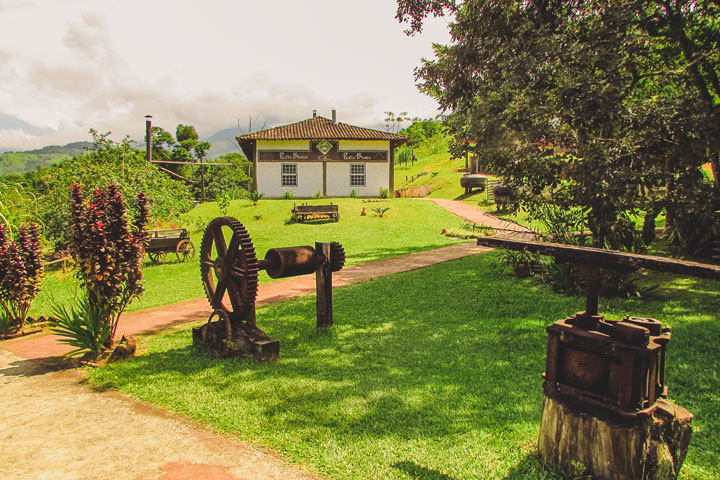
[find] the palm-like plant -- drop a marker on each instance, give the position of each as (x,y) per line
(254,196)
(380,211)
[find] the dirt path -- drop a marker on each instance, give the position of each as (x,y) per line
(54,426)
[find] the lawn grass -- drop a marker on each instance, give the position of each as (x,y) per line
(409,226)
(435,168)
(431,374)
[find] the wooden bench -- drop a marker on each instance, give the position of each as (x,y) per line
(302,213)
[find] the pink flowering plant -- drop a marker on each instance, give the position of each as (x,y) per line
(20,274)
(108,250)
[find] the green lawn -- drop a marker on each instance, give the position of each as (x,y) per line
(431,374)
(408,226)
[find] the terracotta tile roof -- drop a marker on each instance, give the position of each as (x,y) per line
(318,128)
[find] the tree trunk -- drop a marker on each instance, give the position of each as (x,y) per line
(651,447)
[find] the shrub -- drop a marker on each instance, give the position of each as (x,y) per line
(223,201)
(288,195)
(318,194)
(384,193)
(108,251)
(20,273)
(254,196)
(380,211)
(353,193)
(84,327)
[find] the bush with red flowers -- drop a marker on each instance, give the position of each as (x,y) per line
(108,251)
(20,273)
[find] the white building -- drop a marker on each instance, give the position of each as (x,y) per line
(321,155)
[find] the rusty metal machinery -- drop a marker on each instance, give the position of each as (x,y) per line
(612,366)
(229,273)
(617,366)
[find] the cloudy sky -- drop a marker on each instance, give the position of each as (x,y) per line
(69,65)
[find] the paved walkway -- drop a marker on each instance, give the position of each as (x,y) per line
(481,217)
(54,426)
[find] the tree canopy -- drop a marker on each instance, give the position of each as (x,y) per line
(609,107)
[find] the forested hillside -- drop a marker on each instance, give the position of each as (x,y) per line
(20,162)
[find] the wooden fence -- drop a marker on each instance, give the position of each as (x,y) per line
(413,192)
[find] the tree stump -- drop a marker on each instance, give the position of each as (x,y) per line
(649,447)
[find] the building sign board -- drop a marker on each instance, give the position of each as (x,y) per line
(322,151)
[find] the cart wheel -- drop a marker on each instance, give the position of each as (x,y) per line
(157,257)
(185,251)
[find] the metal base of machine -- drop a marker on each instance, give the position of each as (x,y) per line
(245,341)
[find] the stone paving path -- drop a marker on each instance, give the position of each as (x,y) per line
(55,426)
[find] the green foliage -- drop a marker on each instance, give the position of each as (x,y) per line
(108,163)
(353,193)
(84,326)
(18,206)
(254,196)
(422,130)
(692,222)
(20,273)
(380,211)
(404,154)
(384,193)
(223,201)
(108,251)
(318,194)
(223,179)
(288,195)
(183,133)
(596,105)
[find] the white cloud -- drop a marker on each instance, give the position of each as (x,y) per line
(82,63)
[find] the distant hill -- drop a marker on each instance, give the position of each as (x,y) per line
(223,142)
(20,162)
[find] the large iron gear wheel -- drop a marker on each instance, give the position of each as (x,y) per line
(229,268)
(337,255)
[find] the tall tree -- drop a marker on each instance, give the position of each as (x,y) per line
(604,106)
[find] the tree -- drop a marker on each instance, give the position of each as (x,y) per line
(393,122)
(594,105)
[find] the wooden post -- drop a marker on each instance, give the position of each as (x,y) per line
(323,283)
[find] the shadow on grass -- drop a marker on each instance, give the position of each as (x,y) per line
(465,196)
(415,471)
(531,467)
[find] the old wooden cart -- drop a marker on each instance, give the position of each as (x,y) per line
(171,240)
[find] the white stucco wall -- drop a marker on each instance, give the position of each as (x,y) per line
(310,179)
(338,181)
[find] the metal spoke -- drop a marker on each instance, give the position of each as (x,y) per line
(220,245)
(219,292)
(232,249)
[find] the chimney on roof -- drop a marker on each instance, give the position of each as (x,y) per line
(314,113)
(334,116)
